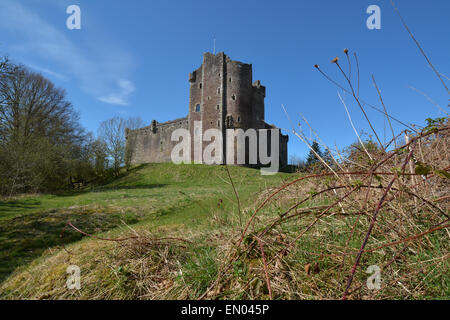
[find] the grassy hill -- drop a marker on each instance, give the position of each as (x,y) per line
(163,231)
(151,197)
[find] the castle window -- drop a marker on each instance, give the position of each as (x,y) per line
(218,90)
(218,106)
(197,108)
(200,85)
(233,97)
(229,79)
(218,123)
(239,119)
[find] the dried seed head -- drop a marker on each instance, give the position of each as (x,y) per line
(346,51)
(308,268)
(335,60)
(316,66)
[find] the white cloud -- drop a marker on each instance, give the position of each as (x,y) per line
(49,72)
(101,71)
(126,87)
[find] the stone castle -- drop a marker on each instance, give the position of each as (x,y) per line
(222,96)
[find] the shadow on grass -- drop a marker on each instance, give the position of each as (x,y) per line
(107,188)
(128,187)
(110,178)
(20,204)
(10,208)
(25,238)
(103,183)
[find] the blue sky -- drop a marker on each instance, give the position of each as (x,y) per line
(132,58)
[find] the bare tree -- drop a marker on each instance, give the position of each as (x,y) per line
(3,65)
(298,163)
(112,132)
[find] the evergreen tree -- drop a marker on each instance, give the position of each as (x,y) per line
(312,158)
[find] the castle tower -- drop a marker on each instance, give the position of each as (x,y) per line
(222,96)
(206,101)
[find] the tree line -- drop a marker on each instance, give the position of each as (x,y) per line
(319,159)
(43,146)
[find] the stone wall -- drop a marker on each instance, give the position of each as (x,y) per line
(153,143)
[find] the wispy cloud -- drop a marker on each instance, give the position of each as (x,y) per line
(49,72)
(102,71)
(125,87)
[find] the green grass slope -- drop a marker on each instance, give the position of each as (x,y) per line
(153,195)
(184,225)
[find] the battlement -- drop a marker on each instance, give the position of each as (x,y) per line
(259,88)
(155,125)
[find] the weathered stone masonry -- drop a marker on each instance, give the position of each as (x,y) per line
(222,96)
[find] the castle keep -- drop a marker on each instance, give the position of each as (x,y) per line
(222,96)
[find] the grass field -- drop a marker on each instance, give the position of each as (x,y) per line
(182,226)
(154,195)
